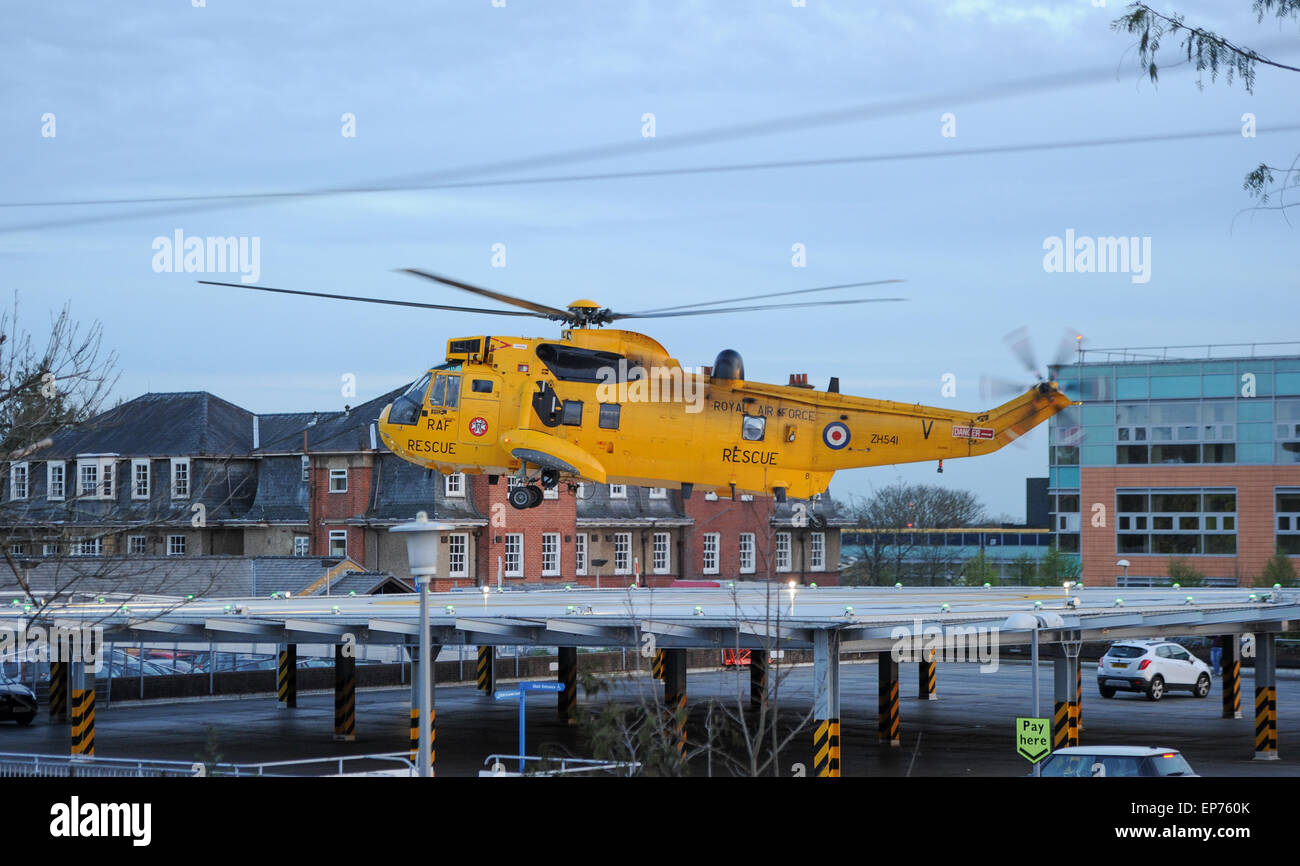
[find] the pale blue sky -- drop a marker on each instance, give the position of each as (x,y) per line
(246,96)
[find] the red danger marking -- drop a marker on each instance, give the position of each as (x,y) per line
(478,426)
(972,432)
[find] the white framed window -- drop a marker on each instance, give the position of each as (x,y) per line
(180,477)
(88,475)
(662,561)
(137,545)
(746,497)
(458,554)
(512,481)
(711,541)
(783,551)
(18,486)
(338,481)
(107,479)
(551,492)
(55,479)
(175,545)
(711,496)
(747,558)
(338,542)
(302,545)
(514,559)
(139,479)
(306,468)
(18,549)
(550,554)
(622,553)
(87,547)
(51,548)
(618,491)
(580,553)
(658,492)
(817,551)
(454,486)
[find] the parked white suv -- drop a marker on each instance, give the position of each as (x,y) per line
(1153,667)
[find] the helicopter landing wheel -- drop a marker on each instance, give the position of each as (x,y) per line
(521,497)
(534,496)
(550,478)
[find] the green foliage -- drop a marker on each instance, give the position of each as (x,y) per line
(978,571)
(1058,567)
(1184,573)
(1023,569)
(1278,569)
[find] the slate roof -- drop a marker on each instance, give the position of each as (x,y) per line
(282,496)
(281,432)
(350,431)
(203,576)
(596,508)
(365,583)
(403,488)
(183,424)
(836,515)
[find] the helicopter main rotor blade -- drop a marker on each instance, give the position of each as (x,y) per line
(1018,342)
(375,300)
(668,315)
(773,295)
(541,309)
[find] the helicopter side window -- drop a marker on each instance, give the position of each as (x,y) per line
(482,386)
(572,413)
(439,388)
(453,392)
(752,428)
(406,408)
(609,414)
(569,364)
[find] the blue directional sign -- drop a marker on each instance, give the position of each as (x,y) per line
(542,687)
(506,694)
(522,694)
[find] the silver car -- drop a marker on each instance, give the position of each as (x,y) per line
(1152,667)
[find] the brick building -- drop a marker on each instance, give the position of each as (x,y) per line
(1196,459)
(185,474)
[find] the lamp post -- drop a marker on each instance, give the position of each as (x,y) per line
(422,554)
(1032,622)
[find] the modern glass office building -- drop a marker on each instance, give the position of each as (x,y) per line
(1169,456)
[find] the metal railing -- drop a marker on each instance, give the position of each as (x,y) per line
(13,765)
(1190,352)
(555,766)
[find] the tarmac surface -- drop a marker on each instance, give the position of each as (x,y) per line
(966,732)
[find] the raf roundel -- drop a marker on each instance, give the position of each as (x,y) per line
(836,435)
(478,426)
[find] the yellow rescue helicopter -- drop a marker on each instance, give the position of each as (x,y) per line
(612,406)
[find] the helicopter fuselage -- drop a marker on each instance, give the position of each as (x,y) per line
(612,406)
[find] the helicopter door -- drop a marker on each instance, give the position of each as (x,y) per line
(480,398)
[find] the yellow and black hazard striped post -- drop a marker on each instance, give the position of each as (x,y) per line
(58,691)
(1078,699)
(83,713)
(1060,716)
(657,665)
(888,721)
(487,670)
(1231,661)
(1266,697)
(567,701)
(345,695)
(674,665)
(757,679)
(286,677)
(928,674)
(826,704)
(415,736)
(1065,712)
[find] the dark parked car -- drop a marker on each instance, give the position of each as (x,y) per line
(17,701)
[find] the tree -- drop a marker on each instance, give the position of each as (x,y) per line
(978,571)
(1183,573)
(1278,569)
(896,511)
(1024,568)
(1058,567)
(1219,55)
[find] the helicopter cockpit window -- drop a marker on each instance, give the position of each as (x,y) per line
(446,391)
(582,365)
(439,389)
(453,392)
(406,408)
(752,428)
